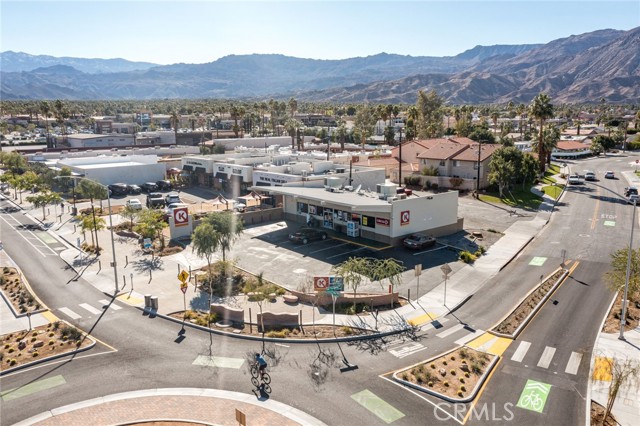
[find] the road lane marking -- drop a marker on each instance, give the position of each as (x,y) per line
(546,357)
(68,312)
(130,300)
(90,308)
(110,305)
(519,354)
(422,319)
(534,396)
(218,361)
(23,237)
(408,349)
(450,331)
(33,387)
(574,363)
(538,261)
(385,411)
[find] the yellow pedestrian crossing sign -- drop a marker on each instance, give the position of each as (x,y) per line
(183,287)
(183,276)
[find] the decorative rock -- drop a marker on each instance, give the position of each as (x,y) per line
(443,372)
(22,344)
(38,344)
(464,367)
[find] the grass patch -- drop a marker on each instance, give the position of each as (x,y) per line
(516,198)
(554,169)
(553,191)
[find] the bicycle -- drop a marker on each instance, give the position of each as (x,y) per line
(256,379)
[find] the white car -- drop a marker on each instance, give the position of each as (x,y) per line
(134,203)
(169,210)
(574,180)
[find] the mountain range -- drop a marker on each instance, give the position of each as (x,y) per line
(576,69)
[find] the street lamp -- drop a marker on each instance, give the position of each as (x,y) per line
(113,246)
(400,158)
(478,177)
(623,318)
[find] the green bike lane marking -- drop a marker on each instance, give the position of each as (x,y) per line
(538,261)
(377,406)
(34,387)
(609,223)
(534,396)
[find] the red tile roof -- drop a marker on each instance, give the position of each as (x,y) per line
(471,154)
(443,150)
(571,146)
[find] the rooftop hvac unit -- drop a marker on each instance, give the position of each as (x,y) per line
(392,199)
(304,173)
(402,196)
(333,182)
(386,188)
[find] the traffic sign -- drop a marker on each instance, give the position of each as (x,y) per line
(147,242)
(183,276)
(183,287)
(446,269)
(333,291)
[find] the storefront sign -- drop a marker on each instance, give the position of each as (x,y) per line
(405,217)
(382,221)
(324,283)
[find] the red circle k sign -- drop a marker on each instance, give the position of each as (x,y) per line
(405,217)
(181,216)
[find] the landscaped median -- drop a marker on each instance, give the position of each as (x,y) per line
(455,376)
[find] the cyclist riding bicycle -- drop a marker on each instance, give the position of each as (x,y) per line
(262,364)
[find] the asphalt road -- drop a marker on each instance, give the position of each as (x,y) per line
(142,352)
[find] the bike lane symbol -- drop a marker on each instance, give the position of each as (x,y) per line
(534,396)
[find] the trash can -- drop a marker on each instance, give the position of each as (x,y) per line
(154,303)
(147,300)
(74,211)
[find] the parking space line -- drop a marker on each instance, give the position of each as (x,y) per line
(328,248)
(348,252)
(428,251)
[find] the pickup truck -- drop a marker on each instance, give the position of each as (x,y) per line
(155,200)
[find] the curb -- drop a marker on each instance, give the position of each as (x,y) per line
(587,418)
(535,310)
(53,357)
(273,339)
(471,396)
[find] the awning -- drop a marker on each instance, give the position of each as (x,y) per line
(222,176)
(200,170)
(187,168)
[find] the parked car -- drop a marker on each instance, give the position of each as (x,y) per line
(134,203)
(634,199)
(172,198)
(609,175)
(118,189)
(155,200)
(164,185)
(304,235)
(419,241)
(589,175)
(574,180)
(149,187)
(134,189)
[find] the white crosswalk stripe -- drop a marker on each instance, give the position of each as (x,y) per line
(111,306)
(574,363)
(68,312)
(90,308)
(450,331)
(519,354)
(546,357)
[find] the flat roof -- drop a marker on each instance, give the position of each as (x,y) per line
(109,165)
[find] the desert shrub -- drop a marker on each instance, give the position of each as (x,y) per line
(452,372)
(445,384)
(444,362)
(11,350)
(429,171)
(433,365)
(467,257)
(475,368)
(455,182)
(460,393)
(461,379)
(281,334)
(348,331)
(453,357)
(71,333)
(13,362)
(434,186)
(463,388)
(188,314)
(463,353)
(405,376)
(467,375)
(52,342)
(56,325)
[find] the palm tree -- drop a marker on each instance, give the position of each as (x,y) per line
(174,120)
(541,109)
(45,109)
(292,125)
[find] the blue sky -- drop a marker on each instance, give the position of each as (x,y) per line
(171,31)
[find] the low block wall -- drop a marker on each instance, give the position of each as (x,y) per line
(324,299)
(228,314)
(270,319)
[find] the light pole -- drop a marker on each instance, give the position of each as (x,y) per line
(623,318)
(478,177)
(400,158)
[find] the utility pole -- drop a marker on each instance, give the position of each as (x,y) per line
(623,317)
(478,177)
(400,159)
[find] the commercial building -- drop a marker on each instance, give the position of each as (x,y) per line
(133,169)
(382,215)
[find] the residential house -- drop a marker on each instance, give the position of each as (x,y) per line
(571,149)
(457,160)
